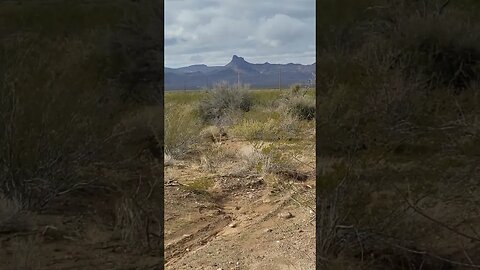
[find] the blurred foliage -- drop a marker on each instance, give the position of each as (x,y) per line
(60,90)
(398,92)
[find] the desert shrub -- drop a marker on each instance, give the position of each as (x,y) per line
(137,52)
(222,100)
(52,119)
(298,103)
(258,159)
(396,95)
(401,75)
(302,107)
(438,48)
(58,99)
(273,158)
(289,127)
(140,131)
(276,159)
(136,219)
(182,129)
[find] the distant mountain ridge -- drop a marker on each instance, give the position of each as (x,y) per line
(264,75)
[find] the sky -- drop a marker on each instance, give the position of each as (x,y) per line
(212,31)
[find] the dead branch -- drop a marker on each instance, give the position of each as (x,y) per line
(420,212)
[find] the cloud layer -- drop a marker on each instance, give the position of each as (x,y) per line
(211,31)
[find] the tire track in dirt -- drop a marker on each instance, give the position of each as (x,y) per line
(240,227)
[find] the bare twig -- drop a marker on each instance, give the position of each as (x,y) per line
(426,253)
(443,6)
(419,211)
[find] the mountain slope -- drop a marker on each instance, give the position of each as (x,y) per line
(256,75)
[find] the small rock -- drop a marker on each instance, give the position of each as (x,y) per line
(268,230)
(237,207)
(232,225)
(53,232)
(173,183)
(286,215)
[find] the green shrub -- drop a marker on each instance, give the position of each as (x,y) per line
(223,100)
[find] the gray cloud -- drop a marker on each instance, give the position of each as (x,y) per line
(196,58)
(277,31)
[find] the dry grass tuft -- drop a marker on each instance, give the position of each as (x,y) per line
(129,221)
(181,129)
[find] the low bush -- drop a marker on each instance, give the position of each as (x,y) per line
(298,103)
(52,120)
(398,93)
(140,131)
(222,100)
(302,108)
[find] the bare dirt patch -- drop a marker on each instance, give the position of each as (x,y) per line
(237,220)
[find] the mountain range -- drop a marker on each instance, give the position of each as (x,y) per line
(264,75)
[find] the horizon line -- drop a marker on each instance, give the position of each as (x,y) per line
(220,65)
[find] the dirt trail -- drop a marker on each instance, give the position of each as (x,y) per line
(240,222)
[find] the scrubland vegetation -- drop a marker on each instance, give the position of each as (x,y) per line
(398,138)
(228,111)
(247,155)
(79,93)
(260,118)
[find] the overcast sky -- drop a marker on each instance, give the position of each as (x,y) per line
(211,31)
